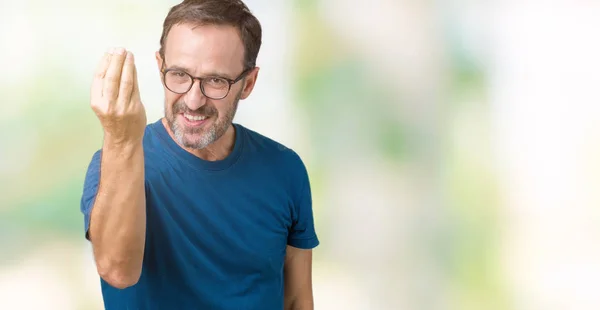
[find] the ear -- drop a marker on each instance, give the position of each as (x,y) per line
(250,81)
(159,62)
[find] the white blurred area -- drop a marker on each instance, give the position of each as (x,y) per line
(543,74)
(546,114)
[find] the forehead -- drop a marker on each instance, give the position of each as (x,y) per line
(205,48)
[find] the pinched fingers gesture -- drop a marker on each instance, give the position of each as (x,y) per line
(115,97)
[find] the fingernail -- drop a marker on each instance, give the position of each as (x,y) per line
(120,51)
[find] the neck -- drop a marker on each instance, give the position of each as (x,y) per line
(217,150)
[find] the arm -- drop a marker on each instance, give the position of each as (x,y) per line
(298,279)
(117,221)
(118,218)
(302,239)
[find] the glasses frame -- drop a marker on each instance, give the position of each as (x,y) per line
(201,80)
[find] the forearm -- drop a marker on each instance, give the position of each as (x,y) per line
(118,219)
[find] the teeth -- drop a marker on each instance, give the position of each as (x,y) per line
(194,117)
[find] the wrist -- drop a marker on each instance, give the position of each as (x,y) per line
(122,147)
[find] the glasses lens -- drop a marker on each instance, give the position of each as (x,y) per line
(178,81)
(215,87)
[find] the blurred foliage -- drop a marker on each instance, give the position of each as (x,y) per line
(339,94)
(470,183)
(44,195)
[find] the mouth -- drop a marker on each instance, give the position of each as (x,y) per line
(194,120)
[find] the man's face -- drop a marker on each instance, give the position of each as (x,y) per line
(195,120)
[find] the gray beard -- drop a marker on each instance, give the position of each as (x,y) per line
(206,135)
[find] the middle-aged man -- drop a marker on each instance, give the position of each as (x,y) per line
(194,211)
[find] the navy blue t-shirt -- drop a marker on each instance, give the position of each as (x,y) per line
(216,232)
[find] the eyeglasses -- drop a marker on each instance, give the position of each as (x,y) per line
(213,87)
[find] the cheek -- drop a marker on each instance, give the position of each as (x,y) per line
(170,100)
(223,107)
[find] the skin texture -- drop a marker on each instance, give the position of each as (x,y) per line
(117,226)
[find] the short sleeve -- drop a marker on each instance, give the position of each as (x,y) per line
(302,233)
(90,189)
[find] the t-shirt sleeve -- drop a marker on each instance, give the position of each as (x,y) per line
(302,232)
(90,189)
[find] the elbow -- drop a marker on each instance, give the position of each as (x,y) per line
(119,276)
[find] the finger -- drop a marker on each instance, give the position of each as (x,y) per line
(127,81)
(100,73)
(110,88)
(136,89)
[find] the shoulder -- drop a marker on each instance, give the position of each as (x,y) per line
(277,160)
(266,149)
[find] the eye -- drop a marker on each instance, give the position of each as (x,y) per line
(216,82)
(178,74)
(177,77)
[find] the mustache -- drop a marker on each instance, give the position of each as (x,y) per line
(181,107)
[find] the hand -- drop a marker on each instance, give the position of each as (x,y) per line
(115,98)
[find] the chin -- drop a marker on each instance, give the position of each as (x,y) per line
(196,140)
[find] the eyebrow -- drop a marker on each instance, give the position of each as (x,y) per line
(211,73)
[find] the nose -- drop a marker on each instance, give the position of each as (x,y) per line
(195,98)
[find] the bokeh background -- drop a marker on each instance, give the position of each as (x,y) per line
(453,146)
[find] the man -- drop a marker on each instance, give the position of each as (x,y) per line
(194,211)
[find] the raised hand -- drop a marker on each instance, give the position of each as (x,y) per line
(115,98)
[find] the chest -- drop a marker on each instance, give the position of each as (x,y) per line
(217,224)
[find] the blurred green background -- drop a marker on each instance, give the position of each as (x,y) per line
(452,145)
